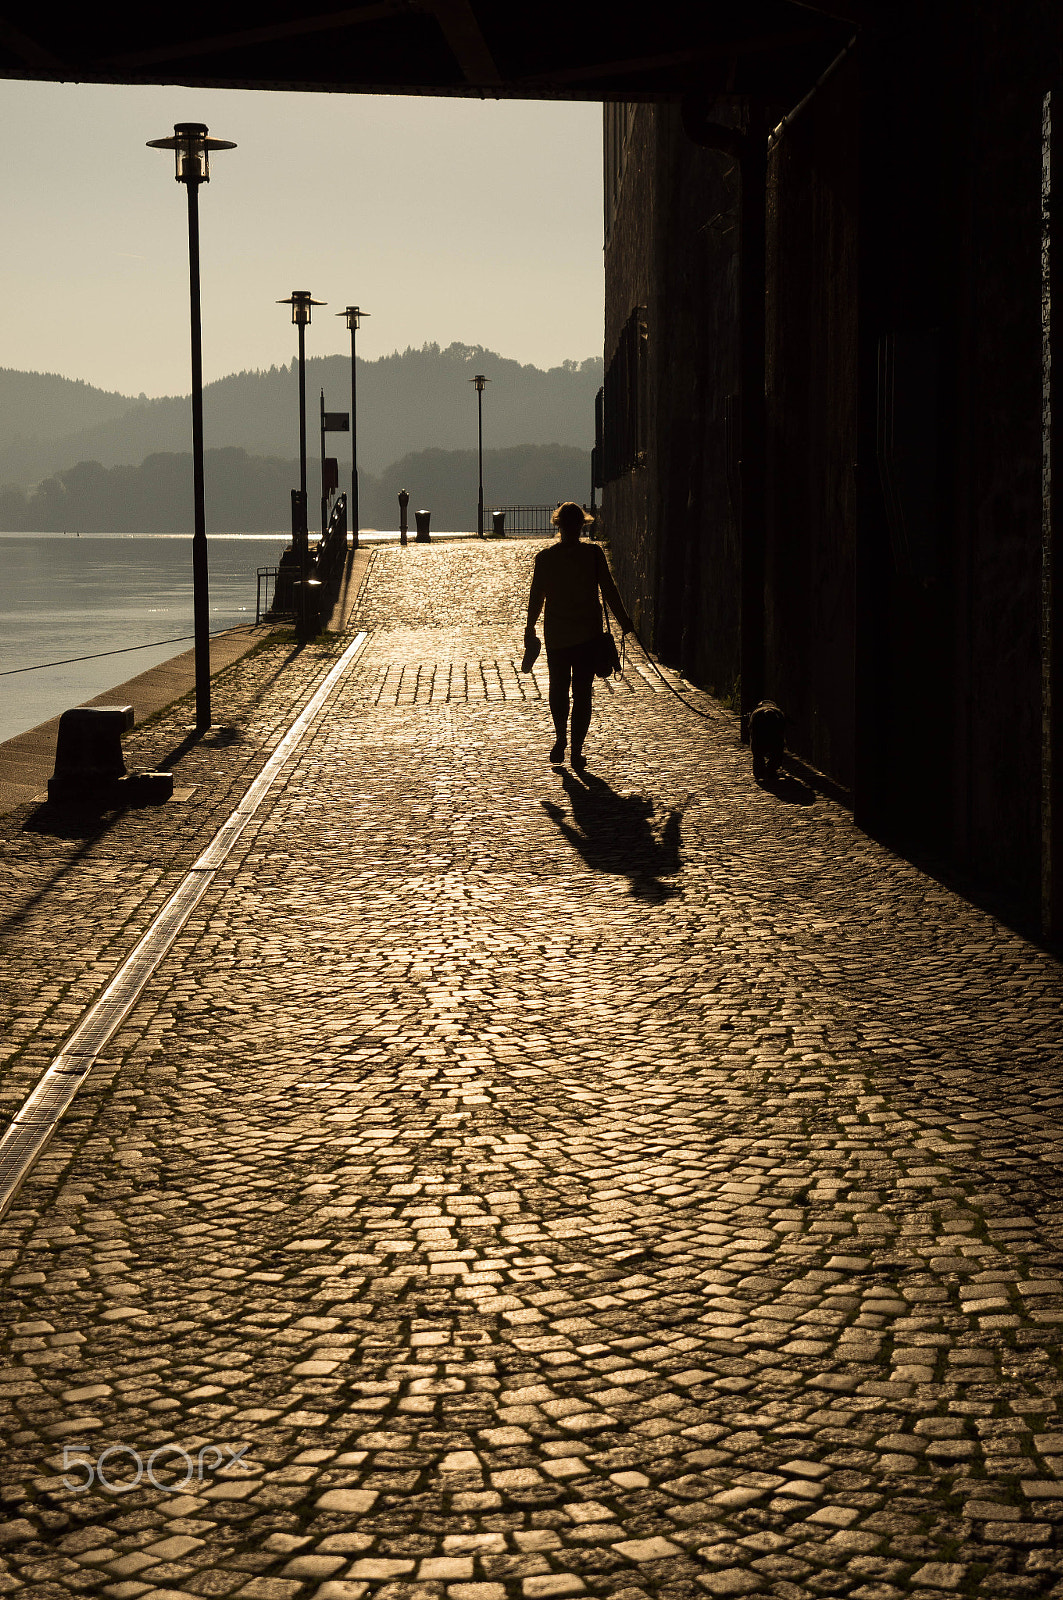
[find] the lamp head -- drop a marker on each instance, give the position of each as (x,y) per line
(479,381)
(191,149)
(354,315)
(301,301)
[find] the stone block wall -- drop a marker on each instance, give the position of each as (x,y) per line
(671,248)
(905,552)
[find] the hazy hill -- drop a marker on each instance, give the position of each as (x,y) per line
(252,494)
(416,400)
(446,482)
(42,405)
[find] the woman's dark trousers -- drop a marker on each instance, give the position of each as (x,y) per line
(573,664)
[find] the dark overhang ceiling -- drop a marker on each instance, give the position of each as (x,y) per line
(549,48)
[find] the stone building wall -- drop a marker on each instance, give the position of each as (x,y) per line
(1002,459)
(696,370)
(811,382)
(630,226)
(904,553)
(671,249)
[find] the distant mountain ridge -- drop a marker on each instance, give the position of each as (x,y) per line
(409,401)
(252,494)
(45,405)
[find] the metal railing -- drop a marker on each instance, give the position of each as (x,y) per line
(522,519)
(269,603)
(332,550)
(267,588)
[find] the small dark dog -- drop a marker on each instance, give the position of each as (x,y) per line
(767,739)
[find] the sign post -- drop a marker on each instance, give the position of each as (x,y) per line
(331,422)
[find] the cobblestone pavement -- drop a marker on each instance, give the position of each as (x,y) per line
(637,1185)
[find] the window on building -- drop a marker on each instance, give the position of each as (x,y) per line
(622,407)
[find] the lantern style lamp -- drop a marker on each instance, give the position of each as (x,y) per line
(480,381)
(354,315)
(192,149)
(302,303)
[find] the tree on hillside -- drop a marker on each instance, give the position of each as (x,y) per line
(252,494)
(408,401)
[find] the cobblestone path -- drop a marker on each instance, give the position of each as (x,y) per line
(517,1185)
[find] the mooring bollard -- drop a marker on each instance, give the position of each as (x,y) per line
(308,606)
(404,501)
(90,768)
(423,519)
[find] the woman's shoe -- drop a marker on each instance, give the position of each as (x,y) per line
(579,760)
(557,752)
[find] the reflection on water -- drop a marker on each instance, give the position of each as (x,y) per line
(62,596)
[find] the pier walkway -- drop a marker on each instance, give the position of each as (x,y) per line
(510,1184)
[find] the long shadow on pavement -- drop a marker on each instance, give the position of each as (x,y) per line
(784,786)
(227,736)
(614,833)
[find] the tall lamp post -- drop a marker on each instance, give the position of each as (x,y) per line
(480,381)
(192,149)
(301,302)
(354,315)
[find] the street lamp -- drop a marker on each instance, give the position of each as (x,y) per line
(480,381)
(301,302)
(192,149)
(354,315)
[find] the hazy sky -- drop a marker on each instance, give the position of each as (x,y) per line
(477,221)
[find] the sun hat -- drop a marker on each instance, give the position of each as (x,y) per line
(571,515)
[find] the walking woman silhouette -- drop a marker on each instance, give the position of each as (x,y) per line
(567,579)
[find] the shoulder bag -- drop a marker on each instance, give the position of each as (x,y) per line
(606,659)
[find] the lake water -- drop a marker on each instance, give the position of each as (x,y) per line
(62,596)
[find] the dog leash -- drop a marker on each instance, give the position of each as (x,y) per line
(623,661)
(704,715)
